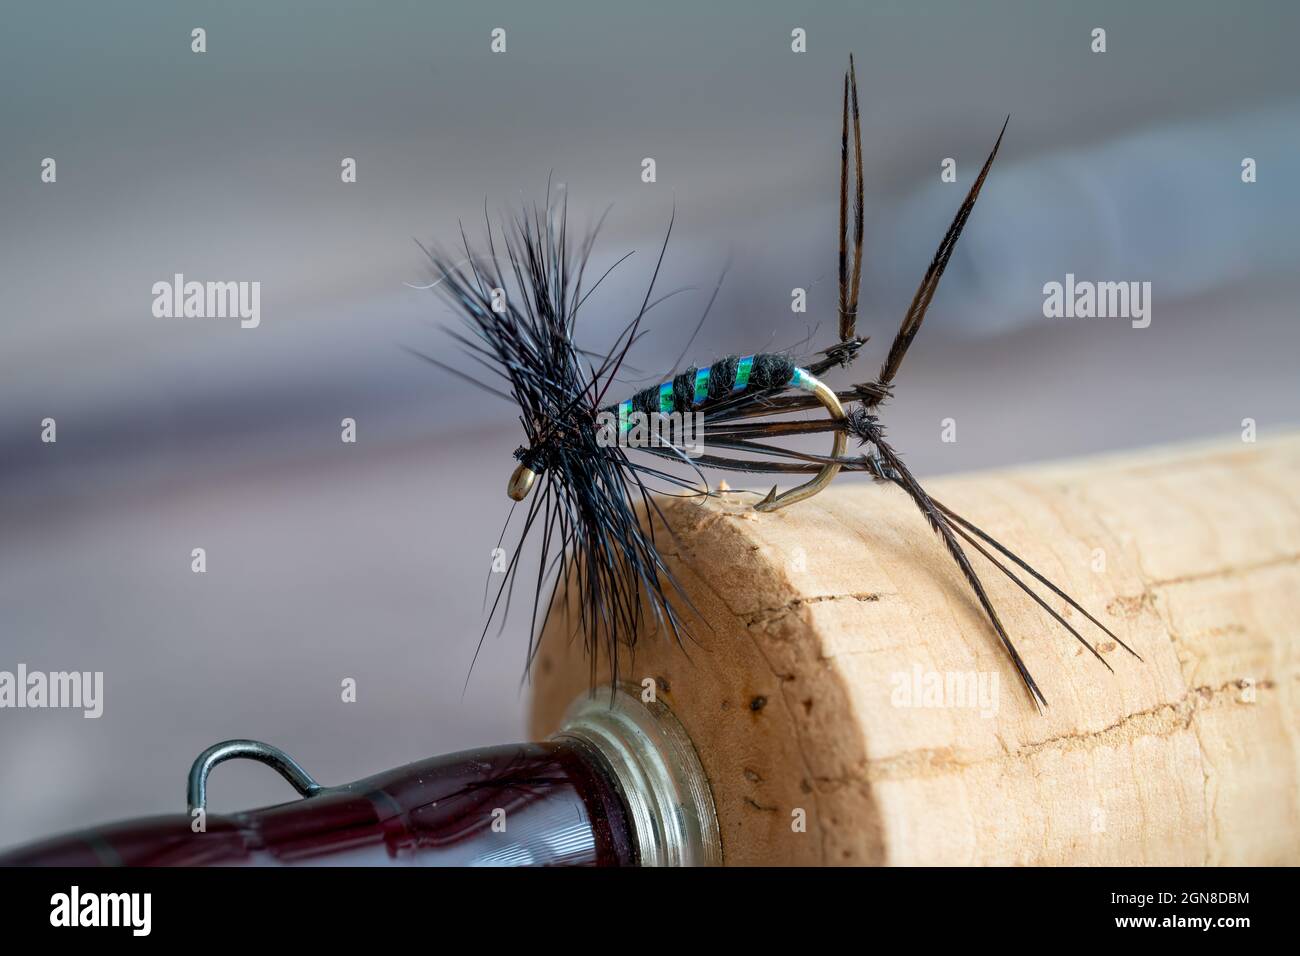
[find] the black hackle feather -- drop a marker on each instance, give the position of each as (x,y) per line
(584,508)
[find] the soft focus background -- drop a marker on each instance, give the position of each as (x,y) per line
(368,561)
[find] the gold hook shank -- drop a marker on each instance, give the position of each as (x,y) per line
(826,395)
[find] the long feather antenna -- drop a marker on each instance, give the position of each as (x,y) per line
(969,539)
(939,522)
(1036,575)
(850,282)
(930,281)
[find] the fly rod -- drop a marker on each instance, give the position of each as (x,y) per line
(618,785)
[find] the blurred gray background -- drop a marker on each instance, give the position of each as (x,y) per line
(327,560)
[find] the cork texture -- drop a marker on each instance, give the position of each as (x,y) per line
(835,652)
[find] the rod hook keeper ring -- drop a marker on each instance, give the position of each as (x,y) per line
(196,793)
(826,395)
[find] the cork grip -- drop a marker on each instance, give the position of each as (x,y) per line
(851,705)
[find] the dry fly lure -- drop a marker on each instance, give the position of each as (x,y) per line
(586,491)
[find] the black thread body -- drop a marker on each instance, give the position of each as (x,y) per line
(770,370)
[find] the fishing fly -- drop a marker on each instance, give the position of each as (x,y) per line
(591,503)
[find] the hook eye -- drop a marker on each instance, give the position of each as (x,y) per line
(826,395)
(521,482)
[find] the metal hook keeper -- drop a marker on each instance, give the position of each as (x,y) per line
(196,792)
(643,749)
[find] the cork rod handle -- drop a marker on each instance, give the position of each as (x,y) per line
(850,704)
